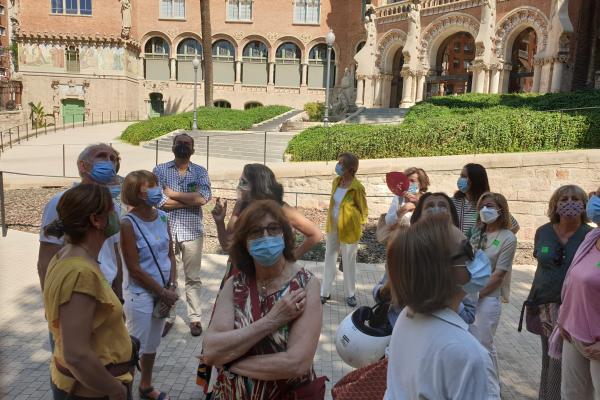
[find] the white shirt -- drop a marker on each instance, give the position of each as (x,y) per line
(106,257)
(338,196)
(433,356)
(391,217)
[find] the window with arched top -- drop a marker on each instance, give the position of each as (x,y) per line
(317,67)
(255,70)
(252,104)
(222,104)
(156,60)
(72,55)
(288,71)
(187,50)
(223,62)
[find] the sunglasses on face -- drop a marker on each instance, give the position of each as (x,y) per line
(273,229)
(560,255)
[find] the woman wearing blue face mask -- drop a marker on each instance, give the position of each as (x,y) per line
(492,235)
(432,355)
(402,207)
(267,319)
(346,215)
(151,277)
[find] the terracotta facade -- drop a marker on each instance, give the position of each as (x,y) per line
(102,54)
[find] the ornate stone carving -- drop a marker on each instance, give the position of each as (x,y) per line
(392,38)
(239,35)
(305,38)
(522,17)
(411,47)
(125,18)
(172,32)
(272,36)
(465,22)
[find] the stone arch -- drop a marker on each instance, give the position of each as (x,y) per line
(256,38)
(153,34)
(236,46)
(297,42)
(321,40)
(514,23)
(387,47)
(442,28)
(186,35)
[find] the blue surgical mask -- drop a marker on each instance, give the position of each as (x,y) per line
(115,190)
(593,209)
(480,270)
(267,249)
(462,184)
(339,169)
(413,188)
(154,195)
(103,172)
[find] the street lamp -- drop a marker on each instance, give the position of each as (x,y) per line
(195,64)
(330,40)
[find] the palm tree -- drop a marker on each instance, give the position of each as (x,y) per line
(207,51)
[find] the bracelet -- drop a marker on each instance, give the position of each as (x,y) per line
(172,284)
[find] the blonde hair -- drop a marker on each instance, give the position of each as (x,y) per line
(422,176)
(130,193)
(560,192)
(504,213)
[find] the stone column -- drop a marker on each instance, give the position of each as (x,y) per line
(369,92)
(360,91)
(173,69)
(537,75)
(304,80)
(420,87)
(386,88)
(407,89)
(141,72)
(495,80)
(238,71)
(271,79)
(546,76)
(478,79)
(377,100)
(557,74)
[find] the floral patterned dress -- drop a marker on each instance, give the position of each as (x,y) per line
(235,387)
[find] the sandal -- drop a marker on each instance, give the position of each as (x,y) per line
(145,394)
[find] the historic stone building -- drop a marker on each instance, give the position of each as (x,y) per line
(84,56)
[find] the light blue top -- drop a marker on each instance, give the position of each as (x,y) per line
(157,234)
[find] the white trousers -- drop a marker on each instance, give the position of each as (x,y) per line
(348,251)
(486,322)
(140,322)
(580,376)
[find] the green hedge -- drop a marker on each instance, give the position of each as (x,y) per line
(213,118)
(467,124)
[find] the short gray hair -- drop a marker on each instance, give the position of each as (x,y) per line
(89,151)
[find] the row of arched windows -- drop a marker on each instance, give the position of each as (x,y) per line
(255,63)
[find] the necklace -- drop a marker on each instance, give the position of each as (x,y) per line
(263,285)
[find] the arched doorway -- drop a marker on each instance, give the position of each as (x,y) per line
(157,106)
(455,57)
(522,54)
(396,88)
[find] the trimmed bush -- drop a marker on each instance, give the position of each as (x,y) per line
(467,124)
(315,111)
(218,119)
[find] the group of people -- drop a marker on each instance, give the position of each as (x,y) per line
(111,248)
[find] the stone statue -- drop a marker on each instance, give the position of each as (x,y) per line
(345,97)
(366,56)
(411,47)
(126,18)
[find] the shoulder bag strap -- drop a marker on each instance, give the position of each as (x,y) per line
(131,218)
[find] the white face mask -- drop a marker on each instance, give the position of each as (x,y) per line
(488,215)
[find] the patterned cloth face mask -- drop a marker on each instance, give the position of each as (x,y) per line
(569,208)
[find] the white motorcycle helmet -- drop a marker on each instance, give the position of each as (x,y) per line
(359,342)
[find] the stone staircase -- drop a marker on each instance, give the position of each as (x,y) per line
(248,146)
(379,116)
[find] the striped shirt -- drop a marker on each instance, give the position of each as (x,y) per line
(185,223)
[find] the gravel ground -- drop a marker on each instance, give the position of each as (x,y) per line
(24,208)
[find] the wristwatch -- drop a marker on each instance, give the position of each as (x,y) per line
(172,284)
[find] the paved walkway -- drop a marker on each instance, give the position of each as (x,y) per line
(24,350)
(44,155)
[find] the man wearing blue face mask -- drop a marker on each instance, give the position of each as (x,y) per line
(96,165)
(186,188)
